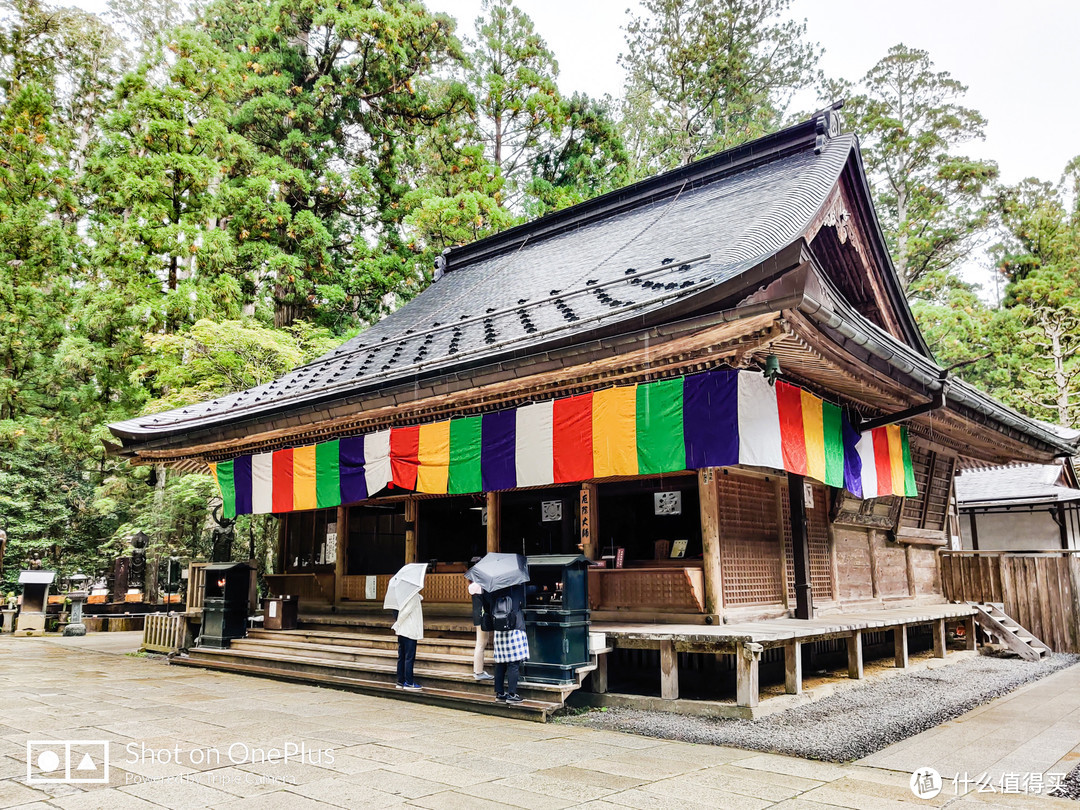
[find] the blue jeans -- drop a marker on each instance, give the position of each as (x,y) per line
(406,657)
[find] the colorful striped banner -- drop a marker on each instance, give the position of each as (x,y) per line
(715,419)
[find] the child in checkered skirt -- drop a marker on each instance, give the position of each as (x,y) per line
(511,646)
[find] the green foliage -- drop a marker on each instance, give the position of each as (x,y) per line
(219,357)
(932,201)
(705,75)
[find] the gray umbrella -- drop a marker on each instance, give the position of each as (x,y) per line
(498,570)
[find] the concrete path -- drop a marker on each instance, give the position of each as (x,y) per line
(185,738)
(1035,729)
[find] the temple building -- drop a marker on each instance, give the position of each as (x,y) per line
(708,382)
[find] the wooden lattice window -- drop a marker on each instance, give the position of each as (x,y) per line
(751,555)
(817,531)
(934,474)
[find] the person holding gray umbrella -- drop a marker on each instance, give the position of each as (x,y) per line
(403,597)
(502,578)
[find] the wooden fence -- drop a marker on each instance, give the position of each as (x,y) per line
(1039,589)
(163,632)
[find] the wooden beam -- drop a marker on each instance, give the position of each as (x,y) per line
(411,512)
(709,500)
(494,520)
(800,548)
(340,551)
(938,628)
(590,531)
(855,655)
(747,659)
(793,667)
(669,671)
(970,639)
(900,646)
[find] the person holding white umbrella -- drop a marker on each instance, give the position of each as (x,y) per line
(403,597)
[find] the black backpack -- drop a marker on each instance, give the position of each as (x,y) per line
(502,613)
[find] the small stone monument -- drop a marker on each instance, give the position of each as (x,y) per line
(75,625)
(35,601)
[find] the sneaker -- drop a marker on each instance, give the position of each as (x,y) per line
(500,697)
(513,699)
(482,676)
(399,686)
(412,687)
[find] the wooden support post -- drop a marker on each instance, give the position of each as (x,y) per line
(340,550)
(970,640)
(599,680)
(590,532)
(669,671)
(411,551)
(494,520)
(900,647)
(939,638)
(871,540)
(854,655)
(709,500)
(281,563)
(747,659)
(800,548)
(793,667)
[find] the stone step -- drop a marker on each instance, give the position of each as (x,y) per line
(536,710)
(386,673)
(425,655)
(378,641)
(375,624)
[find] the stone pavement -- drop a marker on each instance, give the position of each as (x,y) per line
(1034,729)
(183,738)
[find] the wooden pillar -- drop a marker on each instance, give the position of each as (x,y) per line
(590,531)
(669,671)
(938,627)
(709,500)
(1063,526)
(411,511)
(793,667)
(854,655)
(494,520)
(974,532)
(900,646)
(969,633)
(281,563)
(599,679)
(800,548)
(871,540)
(747,659)
(341,549)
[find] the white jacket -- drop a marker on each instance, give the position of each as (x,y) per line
(410,620)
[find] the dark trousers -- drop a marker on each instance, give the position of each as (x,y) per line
(508,672)
(406,657)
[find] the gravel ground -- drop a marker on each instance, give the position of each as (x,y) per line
(849,724)
(1069,787)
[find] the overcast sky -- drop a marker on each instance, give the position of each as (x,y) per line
(1020,60)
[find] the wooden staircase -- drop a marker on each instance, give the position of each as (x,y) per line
(358,651)
(997,623)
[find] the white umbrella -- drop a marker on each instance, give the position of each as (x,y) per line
(404,585)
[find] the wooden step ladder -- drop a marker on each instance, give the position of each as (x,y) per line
(997,623)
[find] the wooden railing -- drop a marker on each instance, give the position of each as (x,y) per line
(438,588)
(1039,589)
(311,587)
(163,632)
(196,586)
(667,590)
